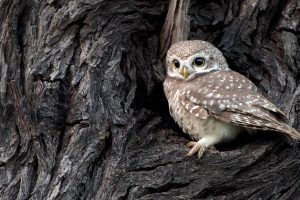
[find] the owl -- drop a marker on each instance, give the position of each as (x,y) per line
(212,103)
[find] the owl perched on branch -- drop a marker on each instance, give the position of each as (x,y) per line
(212,103)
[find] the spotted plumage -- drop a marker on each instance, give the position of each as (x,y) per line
(212,103)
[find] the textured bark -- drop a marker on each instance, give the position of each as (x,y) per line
(83,115)
(176,26)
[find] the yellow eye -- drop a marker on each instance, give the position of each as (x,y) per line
(175,64)
(199,62)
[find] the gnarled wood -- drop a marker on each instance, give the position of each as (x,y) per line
(83,115)
(177,25)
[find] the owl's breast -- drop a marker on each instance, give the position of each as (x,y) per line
(195,127)
(190,124)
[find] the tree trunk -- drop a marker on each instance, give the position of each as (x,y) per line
(83,114)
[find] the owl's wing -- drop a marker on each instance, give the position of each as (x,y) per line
(241,106)
(198,110)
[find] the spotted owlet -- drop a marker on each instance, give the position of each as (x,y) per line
(212,103)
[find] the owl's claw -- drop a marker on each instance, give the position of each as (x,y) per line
(191,144)
(199,148)
(196,148)
(212,148)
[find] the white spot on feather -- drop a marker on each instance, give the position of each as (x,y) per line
(222,106)
(195,107)
(210,95)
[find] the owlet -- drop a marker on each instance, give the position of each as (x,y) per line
(212,103)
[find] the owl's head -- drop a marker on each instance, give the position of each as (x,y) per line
(187,59)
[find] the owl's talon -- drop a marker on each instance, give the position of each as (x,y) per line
(196,148)
(191,144)
(212,148)
(201,151)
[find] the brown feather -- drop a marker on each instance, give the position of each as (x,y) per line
(231,97)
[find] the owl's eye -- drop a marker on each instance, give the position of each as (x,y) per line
(199,62)
(176,63)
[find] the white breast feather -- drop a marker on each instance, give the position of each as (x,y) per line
(198,128)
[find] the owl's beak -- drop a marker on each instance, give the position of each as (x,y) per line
(184,72)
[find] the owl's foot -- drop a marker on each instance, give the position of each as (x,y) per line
(200,147)
(197,147)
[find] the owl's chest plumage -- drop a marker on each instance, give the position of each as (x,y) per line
(195,127)
(191,125)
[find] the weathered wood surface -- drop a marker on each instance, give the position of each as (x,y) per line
(83,115)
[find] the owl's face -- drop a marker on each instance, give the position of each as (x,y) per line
(187,59)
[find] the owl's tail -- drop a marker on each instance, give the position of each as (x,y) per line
(290,131)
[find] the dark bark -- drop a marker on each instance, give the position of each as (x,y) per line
(82,110)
